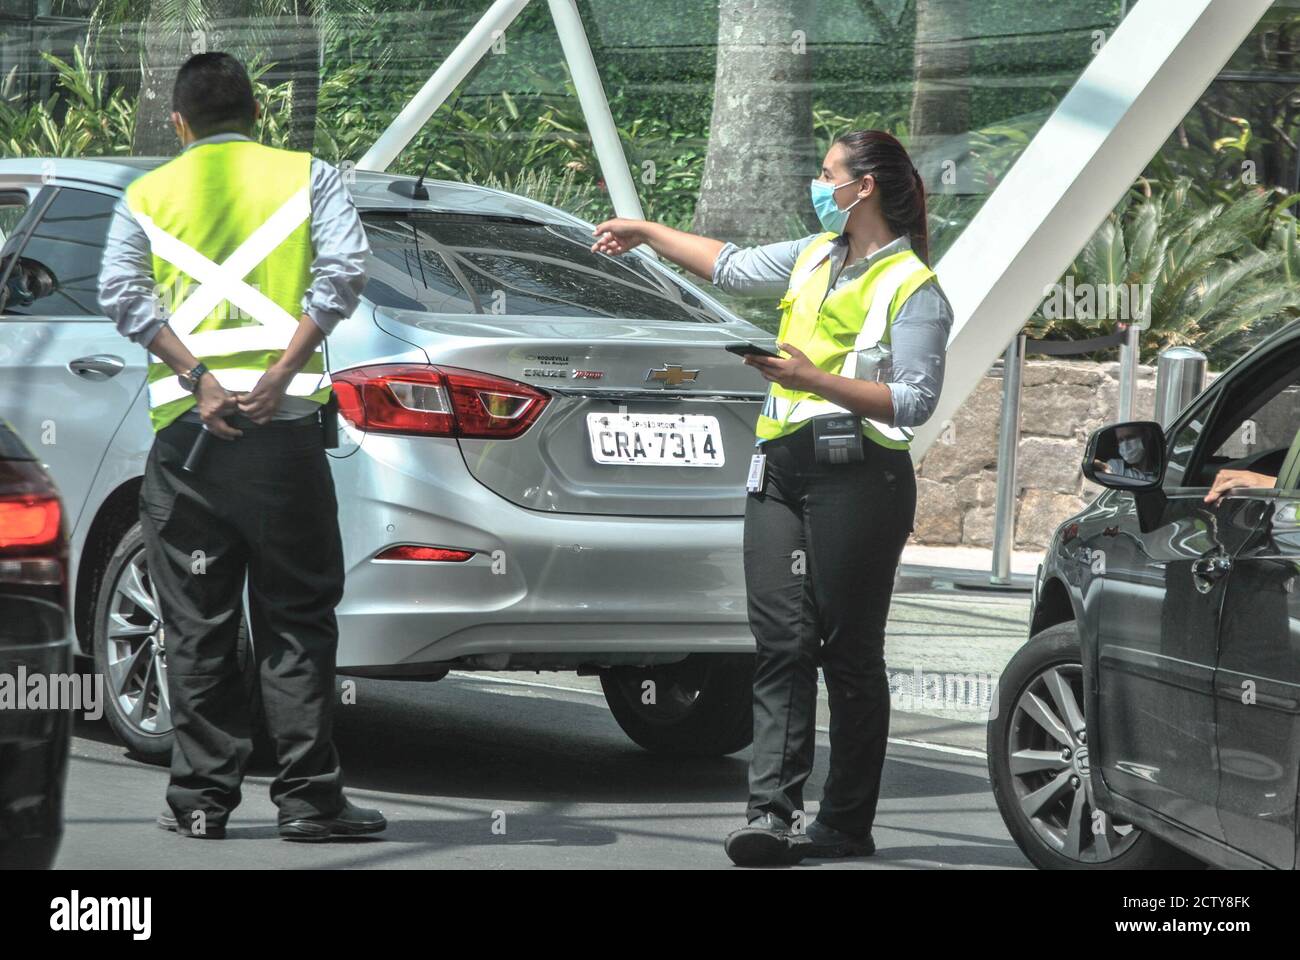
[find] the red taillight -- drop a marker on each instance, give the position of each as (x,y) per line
(30,513)
(29,522)
(488,406)
(32,547)
(437,401)
(436,554)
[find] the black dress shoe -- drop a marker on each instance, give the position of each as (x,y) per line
(212,831)
(765,842)
(824,841)
(349,822)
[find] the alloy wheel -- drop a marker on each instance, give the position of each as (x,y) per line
(1050,766)
(136,667)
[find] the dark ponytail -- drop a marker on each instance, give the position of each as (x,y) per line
(902,192)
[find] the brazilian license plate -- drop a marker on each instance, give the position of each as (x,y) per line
(655,440)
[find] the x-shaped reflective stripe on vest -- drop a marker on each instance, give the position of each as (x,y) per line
(225,281)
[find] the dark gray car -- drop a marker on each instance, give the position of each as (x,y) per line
(1153,713)
(35,656)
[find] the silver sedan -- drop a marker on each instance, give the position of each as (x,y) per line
(542,461)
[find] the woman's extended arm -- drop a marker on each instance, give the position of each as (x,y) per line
(750,271)
(689,250)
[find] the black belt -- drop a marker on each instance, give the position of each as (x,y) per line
(241,422)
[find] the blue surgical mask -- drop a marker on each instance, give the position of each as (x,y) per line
(831,216)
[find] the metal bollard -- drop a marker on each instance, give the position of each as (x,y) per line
(1129,357)
(1004,523)
(1180,376)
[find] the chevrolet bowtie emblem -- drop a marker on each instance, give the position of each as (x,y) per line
(670,375)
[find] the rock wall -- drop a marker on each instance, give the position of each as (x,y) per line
(1061,404)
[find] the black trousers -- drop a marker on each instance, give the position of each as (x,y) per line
(822,544)
(262,506)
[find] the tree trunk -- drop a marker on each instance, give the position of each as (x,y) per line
(1280,162)
(166,46)
(305,66)
(941,70)
(761,150)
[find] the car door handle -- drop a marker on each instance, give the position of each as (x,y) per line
(1207,570)
(101,366)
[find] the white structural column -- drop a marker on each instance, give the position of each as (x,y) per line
(1106,129)
(586,79)
(595,109)
(439,86)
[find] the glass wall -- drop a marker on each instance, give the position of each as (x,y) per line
(1206,238)
(964,82)
(724,107)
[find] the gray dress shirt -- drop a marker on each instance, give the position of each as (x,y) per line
(339,246)
(918,337)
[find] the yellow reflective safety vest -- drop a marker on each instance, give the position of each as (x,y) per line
(229,228)
(832,328)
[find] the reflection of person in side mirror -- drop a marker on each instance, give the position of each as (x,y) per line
(28,281)
(1226,480)
(1134,459)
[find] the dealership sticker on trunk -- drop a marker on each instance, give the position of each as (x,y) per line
(655,440)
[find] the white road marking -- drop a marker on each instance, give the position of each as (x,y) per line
(939,747)
(523,683)
(899,741)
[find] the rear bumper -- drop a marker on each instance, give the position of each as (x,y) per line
(542,589)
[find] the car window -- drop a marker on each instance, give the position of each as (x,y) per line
(1250,428)
(1182,442)
(14,212)
(1271,427)
(12,208)
(458,263)
(411,270)
(68,243)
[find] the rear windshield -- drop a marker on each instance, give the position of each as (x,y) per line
(457,263)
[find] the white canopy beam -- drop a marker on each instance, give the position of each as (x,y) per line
(595,109)
(586,79)
(438,87)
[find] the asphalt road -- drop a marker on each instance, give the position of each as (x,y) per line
(452,763)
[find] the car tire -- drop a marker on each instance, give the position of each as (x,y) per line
(702,706)
(1046,670)
(135,691)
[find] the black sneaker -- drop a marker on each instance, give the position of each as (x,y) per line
(824,841)
(349,822)
(765,842)
(212,831)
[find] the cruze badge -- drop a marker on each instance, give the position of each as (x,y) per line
(671,374)
(559,373)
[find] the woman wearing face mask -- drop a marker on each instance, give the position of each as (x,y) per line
(864,329)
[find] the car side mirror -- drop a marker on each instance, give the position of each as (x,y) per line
(1126,456)
(28,281)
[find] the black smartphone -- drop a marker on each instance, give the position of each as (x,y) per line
(751,350)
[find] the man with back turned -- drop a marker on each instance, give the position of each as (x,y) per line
(231,264)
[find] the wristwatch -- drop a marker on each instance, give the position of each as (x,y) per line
(190,378)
